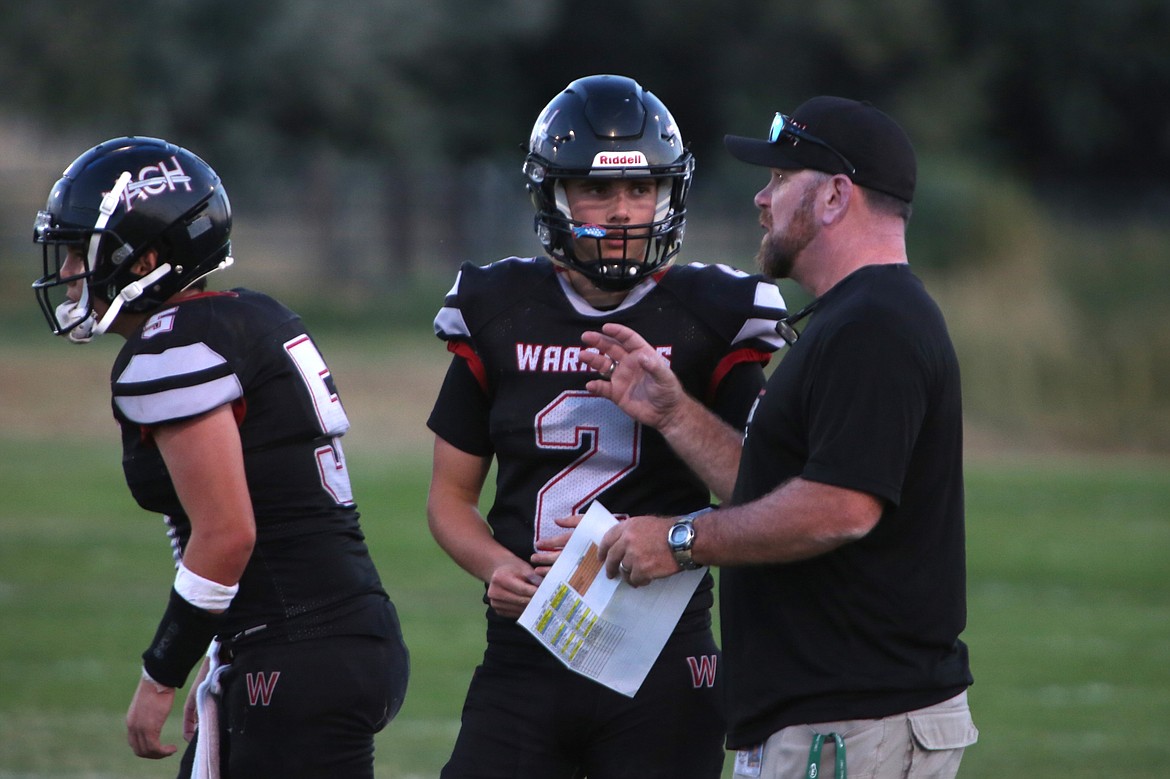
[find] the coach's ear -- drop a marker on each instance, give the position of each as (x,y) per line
(837,197)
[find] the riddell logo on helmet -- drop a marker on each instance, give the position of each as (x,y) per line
(620,159)
(155,180)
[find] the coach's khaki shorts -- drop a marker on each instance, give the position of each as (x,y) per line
(927,742)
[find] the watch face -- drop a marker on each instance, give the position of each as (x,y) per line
(678,535)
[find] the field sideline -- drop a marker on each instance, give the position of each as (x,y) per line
(1069,621)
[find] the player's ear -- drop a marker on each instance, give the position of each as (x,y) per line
(145,263)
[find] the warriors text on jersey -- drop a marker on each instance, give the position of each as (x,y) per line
(246,349)
(519,391)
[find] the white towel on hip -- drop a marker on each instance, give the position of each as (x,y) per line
(207,700)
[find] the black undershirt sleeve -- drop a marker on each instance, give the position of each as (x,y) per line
(461,413)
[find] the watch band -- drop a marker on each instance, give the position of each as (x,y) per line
(681,539)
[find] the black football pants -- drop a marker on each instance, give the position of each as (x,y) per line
(527,716)
(308,708)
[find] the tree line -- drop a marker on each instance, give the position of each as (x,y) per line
(1061,91)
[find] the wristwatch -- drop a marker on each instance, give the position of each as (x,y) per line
(681,537)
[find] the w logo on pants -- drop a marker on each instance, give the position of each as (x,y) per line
(703,670)
(260,687)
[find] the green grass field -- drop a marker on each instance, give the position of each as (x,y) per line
(1069,621)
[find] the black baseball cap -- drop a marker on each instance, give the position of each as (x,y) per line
(837,135)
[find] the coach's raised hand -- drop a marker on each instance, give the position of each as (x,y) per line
(634,376)
(641,382)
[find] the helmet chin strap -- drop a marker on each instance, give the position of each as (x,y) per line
(129,292)
(79,315)
(105,211)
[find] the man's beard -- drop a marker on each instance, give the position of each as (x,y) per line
(777,254)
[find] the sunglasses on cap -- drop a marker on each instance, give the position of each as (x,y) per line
(785,126)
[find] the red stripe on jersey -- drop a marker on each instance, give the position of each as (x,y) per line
(209,293)
(464,350)
(239,410)
(730,361)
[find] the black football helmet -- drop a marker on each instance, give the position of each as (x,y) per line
(112,204)
(608,126)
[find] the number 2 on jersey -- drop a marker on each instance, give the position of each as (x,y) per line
(614,448)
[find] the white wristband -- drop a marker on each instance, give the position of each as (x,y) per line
(203,593)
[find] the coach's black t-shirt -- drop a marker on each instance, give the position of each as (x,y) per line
(868,399)
(310,573)
(516,390)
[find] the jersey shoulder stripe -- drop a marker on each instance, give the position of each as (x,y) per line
(165,405)
(745,308)
(482,292)
(183,381)
(187,360)
(179,361)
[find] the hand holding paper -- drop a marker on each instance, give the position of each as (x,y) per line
(600,627)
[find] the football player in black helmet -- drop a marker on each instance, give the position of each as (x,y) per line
(231,429)
(609,175)
(114,204)
(603,131)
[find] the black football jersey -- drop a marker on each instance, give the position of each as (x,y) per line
(517,326)
(310,570)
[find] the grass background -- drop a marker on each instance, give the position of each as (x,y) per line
(1069,619)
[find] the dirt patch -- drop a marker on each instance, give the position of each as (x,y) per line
(58,392)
